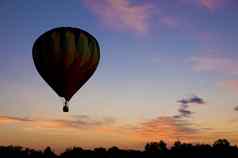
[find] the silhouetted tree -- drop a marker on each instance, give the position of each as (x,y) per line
(221,143)
(72,153)
(221,148)
(100,152)
(48,153)
(156,147)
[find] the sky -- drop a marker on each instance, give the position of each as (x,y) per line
(168,71)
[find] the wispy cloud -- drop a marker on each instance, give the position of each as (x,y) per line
(212,4)
(196,100)
(184,106)
(193,99)
(12,120)
(215,64)
(184,113)
(171,129)
(167,128)
(231,85)
(76,123)
(205,36)
(121,14)
(170,21)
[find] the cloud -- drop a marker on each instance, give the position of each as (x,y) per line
(236,108)
(121,14)
(76,123)
(193,99)
(184,112)
(170,21)
(196,100)
(183,101)
(167,128)
(231,85)
(212,4)
(205,36)
(10,120)
(184,105)
(215,64)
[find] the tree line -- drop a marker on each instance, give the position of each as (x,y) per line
(221,148)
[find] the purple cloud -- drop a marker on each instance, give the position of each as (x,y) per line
(183,101)
(184,105)
(196,100)
(184,112)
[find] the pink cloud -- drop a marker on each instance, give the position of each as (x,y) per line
(170,21)
(229,85)
(204,37)
(215,64)
(120,14)
(212,4)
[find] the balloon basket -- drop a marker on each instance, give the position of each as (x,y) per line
(66,107)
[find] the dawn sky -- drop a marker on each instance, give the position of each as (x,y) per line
(168,70)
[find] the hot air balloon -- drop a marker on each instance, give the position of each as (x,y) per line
(66,58)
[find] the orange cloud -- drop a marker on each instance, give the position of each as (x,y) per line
(171,129)
(167,128)
(12,120)
(83,123)
(121,14)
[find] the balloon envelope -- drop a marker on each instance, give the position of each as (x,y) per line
(66,58)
